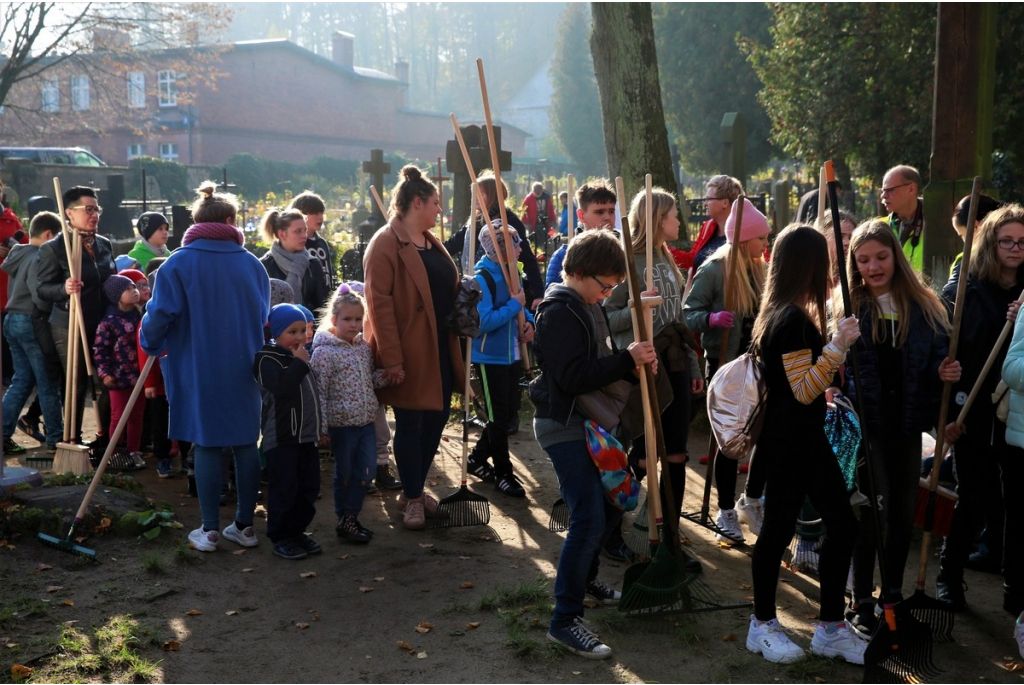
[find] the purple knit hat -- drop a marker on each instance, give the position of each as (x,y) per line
(115,285)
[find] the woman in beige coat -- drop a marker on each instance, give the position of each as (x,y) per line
(411,283)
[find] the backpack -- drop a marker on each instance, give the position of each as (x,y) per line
(736,400)
(464,319)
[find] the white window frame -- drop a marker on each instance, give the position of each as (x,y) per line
(169,151)
(50,91)
(136,89)
(80,93)
(167,82)
(136,150)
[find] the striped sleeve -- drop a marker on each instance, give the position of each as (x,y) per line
(808,380)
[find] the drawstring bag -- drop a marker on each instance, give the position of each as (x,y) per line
(736,401)
(842,428)
(620,487)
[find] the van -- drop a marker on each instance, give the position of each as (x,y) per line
(75,156)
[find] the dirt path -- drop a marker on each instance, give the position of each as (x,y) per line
(262,621)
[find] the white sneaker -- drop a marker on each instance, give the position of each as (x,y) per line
(1018,634)
(750,513)
(204,540)
(729,522)
(768,640)
(246,537)
(845,642)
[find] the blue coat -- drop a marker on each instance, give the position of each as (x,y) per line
(209,306)
(498,318)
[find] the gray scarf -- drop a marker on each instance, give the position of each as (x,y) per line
(161,251)
(293,264)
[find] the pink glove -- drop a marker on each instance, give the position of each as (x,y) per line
(721,320)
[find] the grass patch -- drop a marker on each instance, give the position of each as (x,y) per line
(456,606)
(16,610)
(111,653)
(512,595)
(154,563)
(185,554)
(812,669)
(525,610)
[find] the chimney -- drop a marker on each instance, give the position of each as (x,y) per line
(343,49)
(402,71)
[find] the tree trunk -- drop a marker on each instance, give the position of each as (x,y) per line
(626,65)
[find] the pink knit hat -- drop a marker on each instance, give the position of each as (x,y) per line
(755,225)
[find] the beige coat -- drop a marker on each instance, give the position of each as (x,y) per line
(400,324)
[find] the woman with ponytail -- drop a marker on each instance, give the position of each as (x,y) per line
(288,259)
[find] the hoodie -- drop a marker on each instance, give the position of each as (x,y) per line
(346,379)
(16,266)
(498,342)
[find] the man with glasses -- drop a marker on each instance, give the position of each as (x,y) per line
(899,195)
(719,194)
(55,285)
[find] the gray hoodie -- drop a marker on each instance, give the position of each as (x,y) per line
(17,265)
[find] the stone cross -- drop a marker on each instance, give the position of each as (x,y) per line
(475,138)
(377,167)
(439,180)
(734,146)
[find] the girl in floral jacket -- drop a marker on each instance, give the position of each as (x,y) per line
(343,363)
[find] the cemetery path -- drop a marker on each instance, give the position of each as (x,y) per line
(351,614)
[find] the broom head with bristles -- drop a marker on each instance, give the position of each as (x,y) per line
(559,521)
(900,650)
(71,457)
(462,509)
(945,502)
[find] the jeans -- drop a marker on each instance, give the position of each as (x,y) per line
(354,451)
(417,435)
(383,435)
(30,371)
(208,483)
(293,476)
(580,486)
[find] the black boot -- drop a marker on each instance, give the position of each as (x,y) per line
(949,588)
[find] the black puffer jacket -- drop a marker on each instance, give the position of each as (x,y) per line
(53,272)
(314,293)
(923,351)
(567,354)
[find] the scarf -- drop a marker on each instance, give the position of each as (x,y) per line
(88,241)
(160,251)
(212,231)
(293,264)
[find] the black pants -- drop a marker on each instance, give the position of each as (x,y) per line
(798,470)
(501,390)
(159,416)
(897,462)
(293,477)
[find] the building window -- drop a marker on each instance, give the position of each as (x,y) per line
(169,151)
(79,93)
(136,150)
(168,85)
(136,89)
(51,94)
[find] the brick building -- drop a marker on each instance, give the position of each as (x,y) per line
(270,98)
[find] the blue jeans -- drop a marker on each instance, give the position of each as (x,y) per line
(354,449)
(580,486)
(30,371)
(417,435)
(208,483)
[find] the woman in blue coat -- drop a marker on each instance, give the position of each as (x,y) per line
(208,312)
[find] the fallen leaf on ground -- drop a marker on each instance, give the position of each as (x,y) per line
(10,645)
(172,646)
(233,612)
(474,624)
(725,545)
(745,586)
(590,603)
(426,545)
(365,588)
(301,626)
(535,621)
(238,552)
(246,570)
(1013,666)
(464,558)
(193,612)
(402,644)
(308,574)
(485,538)
(577,672)
(729,637)
(818,679)
(424,627)
(54,588)
(379,578)
(343,557)
(68,602)
(421,655)
(38,569)
(465,586)
(18,671)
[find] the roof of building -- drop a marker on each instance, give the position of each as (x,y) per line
(284,43)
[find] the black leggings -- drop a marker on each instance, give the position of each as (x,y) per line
(795,471)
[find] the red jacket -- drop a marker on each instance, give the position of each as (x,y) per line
(684,260)
(530,214)
(9,225)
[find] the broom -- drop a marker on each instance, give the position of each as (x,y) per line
(464,508)
(71,456)
(703,518)
(936,614)
(68,544)
(898,651)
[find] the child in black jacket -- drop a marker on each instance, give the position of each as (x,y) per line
(293,426)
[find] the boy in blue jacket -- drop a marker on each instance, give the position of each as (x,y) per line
(496,355)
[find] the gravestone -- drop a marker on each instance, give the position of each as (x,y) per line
(115,221)
(41,203)
(734,146)
(780,204)
(377,167)
(352,260)
(439,180)
(476,141)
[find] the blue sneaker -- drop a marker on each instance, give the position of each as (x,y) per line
(163,468)
(578,639)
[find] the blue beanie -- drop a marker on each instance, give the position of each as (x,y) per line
(282,316)
(306,313)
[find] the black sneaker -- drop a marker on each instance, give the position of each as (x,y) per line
(578,639)
(310,545)
(862,617)
(602,593)
(11,447)
(348,527)
(363,529)
(386,478)
(31,429)
(482,470)
(690,564)
(289,549)
(510,485)
(619,552)
(950,590)
(513,426)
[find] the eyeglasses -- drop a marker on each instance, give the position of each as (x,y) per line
(888,191)
(89,209)
(1009,244)
(605,288)
(712,199)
